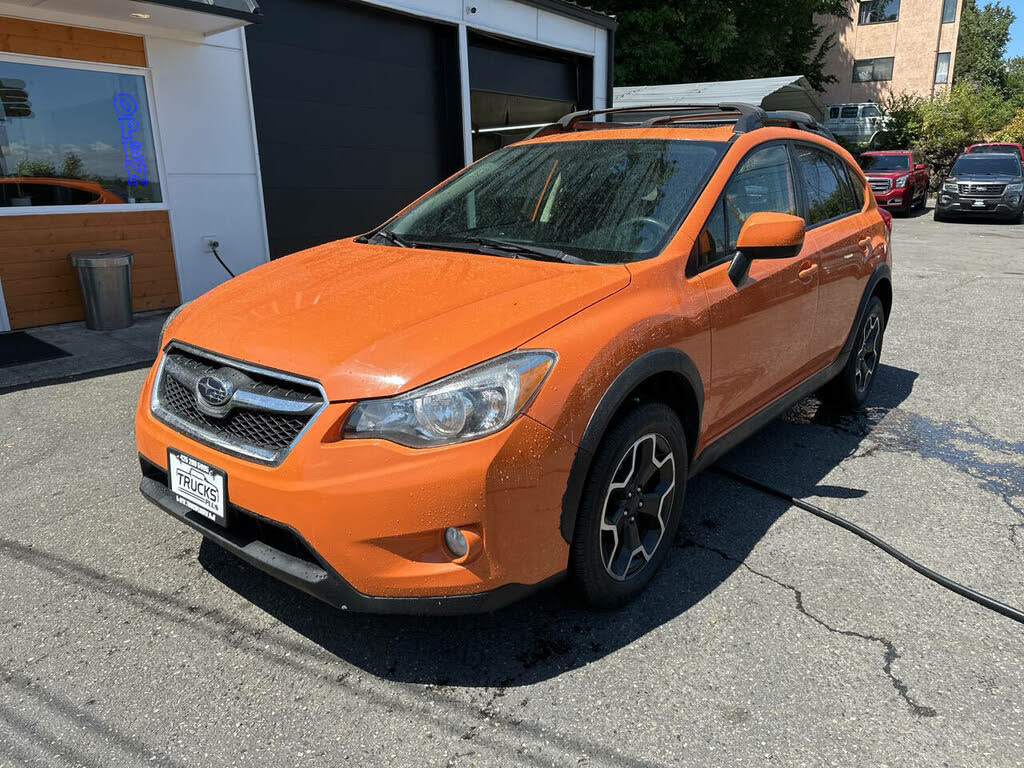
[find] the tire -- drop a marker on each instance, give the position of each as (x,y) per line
(605,564)
(923,203)
(940,216)
(852,386)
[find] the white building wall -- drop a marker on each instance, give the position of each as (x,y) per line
(204,116)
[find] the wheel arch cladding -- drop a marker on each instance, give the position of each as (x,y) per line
(883,290)
(666,376)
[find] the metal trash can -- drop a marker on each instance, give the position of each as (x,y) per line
(105,276)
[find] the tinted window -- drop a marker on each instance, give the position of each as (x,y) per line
(849,112)
(74,137)
(987,165)
(829,192)
(833,113)
(606,201)
(870,111)
(884,162)
(763,182)
(877,11)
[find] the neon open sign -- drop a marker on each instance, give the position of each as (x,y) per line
(126,108)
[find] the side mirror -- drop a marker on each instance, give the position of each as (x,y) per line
(919,167)
(766,235)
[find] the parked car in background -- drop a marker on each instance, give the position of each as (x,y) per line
(997,146)
(857,123)
(512,379)
(989,184)
(898,179)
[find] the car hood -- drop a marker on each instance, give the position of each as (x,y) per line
(885,174)
(373,320)
(982,179)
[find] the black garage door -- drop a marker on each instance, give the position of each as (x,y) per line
(357,113)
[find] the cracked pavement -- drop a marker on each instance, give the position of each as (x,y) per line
(770,638)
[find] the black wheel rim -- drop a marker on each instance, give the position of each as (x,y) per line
(867,355)
(637,506)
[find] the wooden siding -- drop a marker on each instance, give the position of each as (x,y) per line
(38,38)
(39,284)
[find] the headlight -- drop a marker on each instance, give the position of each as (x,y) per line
(951,186)
(1014,189)
(902,181)
(464,406)
(167,322)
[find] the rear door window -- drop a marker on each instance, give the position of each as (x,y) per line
(826,185)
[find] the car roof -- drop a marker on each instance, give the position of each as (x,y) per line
(722,122)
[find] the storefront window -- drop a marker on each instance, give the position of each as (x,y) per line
(74,137)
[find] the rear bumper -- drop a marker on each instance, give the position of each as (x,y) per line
(297,564)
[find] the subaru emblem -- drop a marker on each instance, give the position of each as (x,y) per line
(214,391)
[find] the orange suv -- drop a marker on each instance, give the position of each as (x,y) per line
(513,378)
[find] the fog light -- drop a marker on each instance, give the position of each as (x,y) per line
(455,542)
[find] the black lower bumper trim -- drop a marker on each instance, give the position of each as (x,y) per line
(323,582)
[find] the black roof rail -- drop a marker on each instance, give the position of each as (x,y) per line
(744,117)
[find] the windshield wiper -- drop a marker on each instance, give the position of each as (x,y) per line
(530,251)
(392,238)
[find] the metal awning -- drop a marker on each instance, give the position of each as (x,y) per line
(772,93)
(203,17)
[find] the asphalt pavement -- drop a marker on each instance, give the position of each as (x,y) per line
(771,637)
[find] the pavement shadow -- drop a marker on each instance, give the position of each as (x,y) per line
(551,633)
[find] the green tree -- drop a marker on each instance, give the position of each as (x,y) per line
(951,121)
(1013,131)
(1015,80)
(984,34)
(683,41)
(904,122)
(73,166)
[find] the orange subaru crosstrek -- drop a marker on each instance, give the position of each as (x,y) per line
(511,380)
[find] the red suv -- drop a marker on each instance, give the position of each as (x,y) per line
(898,179)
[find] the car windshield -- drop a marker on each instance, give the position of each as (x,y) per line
(885,162)
(987,165)
(996,148)
(605,201)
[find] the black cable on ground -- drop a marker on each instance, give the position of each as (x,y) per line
(219,259)
(984,600)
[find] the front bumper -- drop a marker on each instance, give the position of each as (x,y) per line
(898,197)
(953,204)
(369,515)
(304,570)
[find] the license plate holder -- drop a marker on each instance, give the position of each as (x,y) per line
(978,204)
(198,486)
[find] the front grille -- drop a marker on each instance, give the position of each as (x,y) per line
(880,185)
(981,190)
(264,418)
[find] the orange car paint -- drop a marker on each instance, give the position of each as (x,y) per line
(375,510)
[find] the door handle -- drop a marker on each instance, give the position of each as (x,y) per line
(808,272)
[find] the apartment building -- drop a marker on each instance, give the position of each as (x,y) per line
(892,46)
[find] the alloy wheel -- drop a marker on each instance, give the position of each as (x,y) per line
(867,355)
(637,506)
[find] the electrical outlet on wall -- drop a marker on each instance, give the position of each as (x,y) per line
(210,242)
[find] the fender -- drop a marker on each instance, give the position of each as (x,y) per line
(663,360)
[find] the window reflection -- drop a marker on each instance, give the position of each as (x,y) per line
(74,137)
